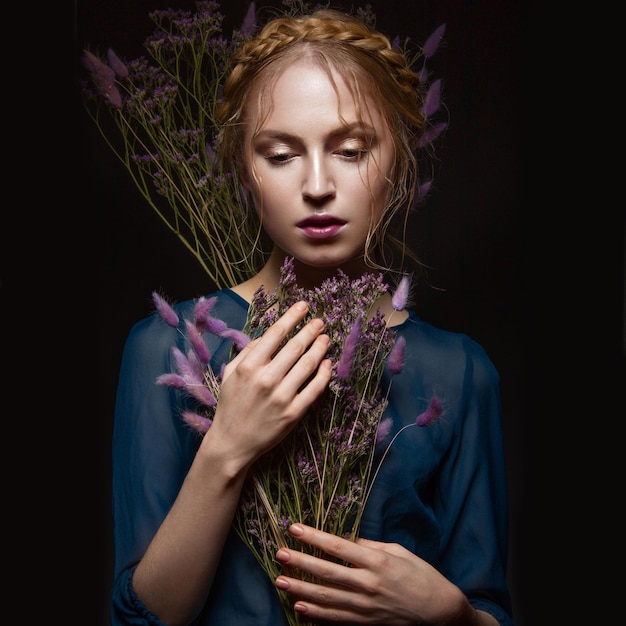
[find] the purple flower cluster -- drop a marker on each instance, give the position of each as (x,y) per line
(158,114)
(193,373)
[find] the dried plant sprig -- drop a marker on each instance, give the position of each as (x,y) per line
(158,117)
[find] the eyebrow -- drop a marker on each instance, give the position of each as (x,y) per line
(367,130)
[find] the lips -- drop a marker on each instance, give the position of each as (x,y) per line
(321,226)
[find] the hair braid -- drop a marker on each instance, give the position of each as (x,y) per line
(322,25)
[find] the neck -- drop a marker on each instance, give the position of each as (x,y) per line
(310,277)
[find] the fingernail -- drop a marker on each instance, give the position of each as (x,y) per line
(300,608)
(302,306)
(282,583)
(296,529)
(282,555)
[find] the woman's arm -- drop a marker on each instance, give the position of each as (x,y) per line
(262,397)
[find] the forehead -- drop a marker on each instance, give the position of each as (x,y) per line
(306,89)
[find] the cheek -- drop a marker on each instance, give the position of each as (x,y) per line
(269,195)
(375,187)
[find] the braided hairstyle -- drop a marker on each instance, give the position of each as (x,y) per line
(368,64)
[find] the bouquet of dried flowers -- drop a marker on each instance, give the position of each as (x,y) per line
(321,472)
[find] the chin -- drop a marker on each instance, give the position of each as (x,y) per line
(330,263)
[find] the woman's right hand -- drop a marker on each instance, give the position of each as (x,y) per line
(265,391)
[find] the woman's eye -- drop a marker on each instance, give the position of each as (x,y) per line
(353,153)
(278,157)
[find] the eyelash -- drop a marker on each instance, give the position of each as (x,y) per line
(278,157)
(353,154)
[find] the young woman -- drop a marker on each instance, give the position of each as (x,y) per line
(321,118)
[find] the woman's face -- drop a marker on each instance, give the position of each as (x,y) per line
(318,174)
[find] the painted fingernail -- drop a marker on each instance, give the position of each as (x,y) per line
(300,608)
(296,529)
(282,555)
(282,583)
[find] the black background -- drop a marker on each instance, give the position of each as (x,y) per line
(479,232)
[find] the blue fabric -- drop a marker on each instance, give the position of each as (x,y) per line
(441,491)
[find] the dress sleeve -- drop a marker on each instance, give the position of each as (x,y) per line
(152,451)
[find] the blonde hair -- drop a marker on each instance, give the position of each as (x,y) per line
(367,62)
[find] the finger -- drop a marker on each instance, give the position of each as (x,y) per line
(295,350)
(339,593)
(316,595)
(301,356)
(232,364)
(342,549)
(276,333)
(319,568)
(314,388)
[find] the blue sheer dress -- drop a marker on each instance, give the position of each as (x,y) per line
(441,491)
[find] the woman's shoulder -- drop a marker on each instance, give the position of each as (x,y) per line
(223,304)
(434,341)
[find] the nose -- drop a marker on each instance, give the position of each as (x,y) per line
(318,183)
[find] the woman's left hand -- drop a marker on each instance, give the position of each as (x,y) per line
(383,583)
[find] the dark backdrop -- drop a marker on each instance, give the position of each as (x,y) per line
(473,231)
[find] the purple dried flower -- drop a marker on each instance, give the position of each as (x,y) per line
(201,311)
(165,310)
(189,377)
(432,99)
(430,134)
(184,367)
(248,25)
(219,328)
(215,326)
(171,380)
(395,361)
(201,393)
(423,187)
(432,413)
(383,430)
(116,65)
(432,43)
(240,339)
(349,349)
(423,74)
(401,295)
(197,422)
(103,77)
(197,342)
(196,367)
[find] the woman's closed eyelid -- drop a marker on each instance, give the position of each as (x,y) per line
(353,152)
(279,157)
(351,147)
